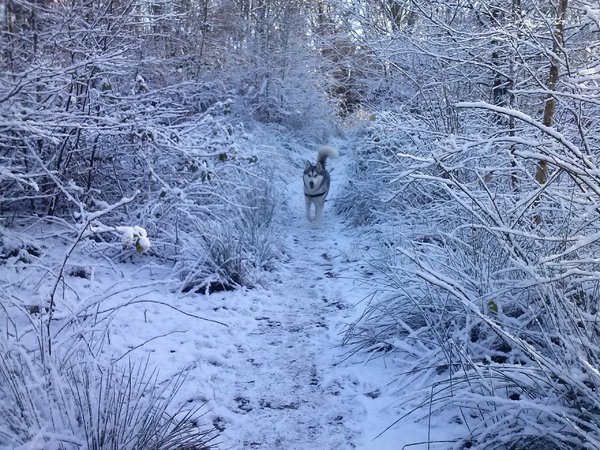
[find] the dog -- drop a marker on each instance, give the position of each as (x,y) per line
(316,184)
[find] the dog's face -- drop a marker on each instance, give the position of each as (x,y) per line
(313,175)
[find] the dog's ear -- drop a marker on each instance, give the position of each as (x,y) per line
(319,166)
(307,164)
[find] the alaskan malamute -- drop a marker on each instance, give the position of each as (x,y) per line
(316,183)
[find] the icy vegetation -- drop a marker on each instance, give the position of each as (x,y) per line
(161,289)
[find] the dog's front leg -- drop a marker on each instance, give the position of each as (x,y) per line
(319,204)
(307,202)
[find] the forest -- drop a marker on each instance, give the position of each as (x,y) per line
(147,151)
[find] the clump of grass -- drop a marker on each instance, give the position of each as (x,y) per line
(79,404)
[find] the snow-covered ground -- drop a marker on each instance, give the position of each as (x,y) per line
(272,374)
(277,377)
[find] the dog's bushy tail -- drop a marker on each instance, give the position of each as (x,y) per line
(324,152)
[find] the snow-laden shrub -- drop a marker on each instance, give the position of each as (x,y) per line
(115,125)
(209,206)
(72,403)
(372,187)
(205,201)
(56,390)
(360,200)
(487,290)
(234,249)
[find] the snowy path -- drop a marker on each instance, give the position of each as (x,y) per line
(276,377)
(290,390)
(294,390)
(289,394)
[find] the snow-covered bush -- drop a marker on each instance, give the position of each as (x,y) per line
(373,188)
(74,402)
(234,248)
(361,199)
(489,287)
(209,205)
(488,278)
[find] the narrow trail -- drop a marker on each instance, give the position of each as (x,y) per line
(276,377)
(295,396)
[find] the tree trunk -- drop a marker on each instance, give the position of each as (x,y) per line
(541,175)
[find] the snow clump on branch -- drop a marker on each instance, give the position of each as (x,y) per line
(135,235)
